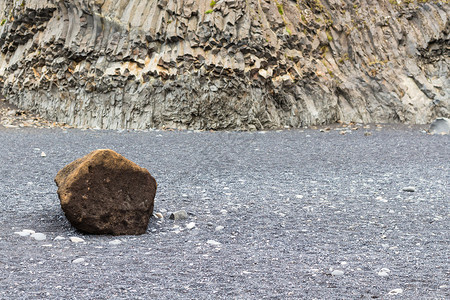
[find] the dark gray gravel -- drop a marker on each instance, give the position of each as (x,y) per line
(295,206)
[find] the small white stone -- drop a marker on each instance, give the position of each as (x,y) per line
(39,236)
(384,270)
(59,238)
(395,292)
(343,263)
(21,233)
(381,199)
(43,154)
(47,245)
(299,196)
(219,228)
(337,273)
(115,242)
(213,243)
(383,274)
(190,225)
(78,261)
(75,239)
(159,215)
(410,189)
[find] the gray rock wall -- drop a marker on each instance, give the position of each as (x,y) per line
(229,64)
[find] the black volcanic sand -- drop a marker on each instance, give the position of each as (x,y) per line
(294,206)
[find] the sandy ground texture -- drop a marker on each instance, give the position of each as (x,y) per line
(299,214)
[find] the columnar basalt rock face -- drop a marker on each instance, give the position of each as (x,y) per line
(226,64)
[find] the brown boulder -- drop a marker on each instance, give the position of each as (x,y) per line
(105,193)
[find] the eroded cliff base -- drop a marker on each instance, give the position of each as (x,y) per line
(227,64)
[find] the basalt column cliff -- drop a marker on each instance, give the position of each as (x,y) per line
(226,64)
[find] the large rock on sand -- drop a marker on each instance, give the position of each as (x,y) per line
(105,193)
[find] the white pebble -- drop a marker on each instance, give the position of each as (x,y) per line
(159,215)
(21,233)
(190,225)
(39,236)
(76,239)
(299,196)
(219,228)
(59,238)
(381,199)
(384,272)
(410,189)
(213,243)
(337,273)
(47,245)
(43,154)
(115,242)
(78,261)
(395,292)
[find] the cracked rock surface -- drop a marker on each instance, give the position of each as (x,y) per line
(105,193)
(227,64)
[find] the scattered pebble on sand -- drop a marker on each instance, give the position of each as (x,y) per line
(39,236)
(179,215)
(410,189)
(76,239)
(337,273)
(384,272)
(21,233)
(190,225)
(213,243)
(78,261)
(115,242)
(395,292)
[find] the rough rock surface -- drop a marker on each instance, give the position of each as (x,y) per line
(105,193)
(227,64)
(440,126)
